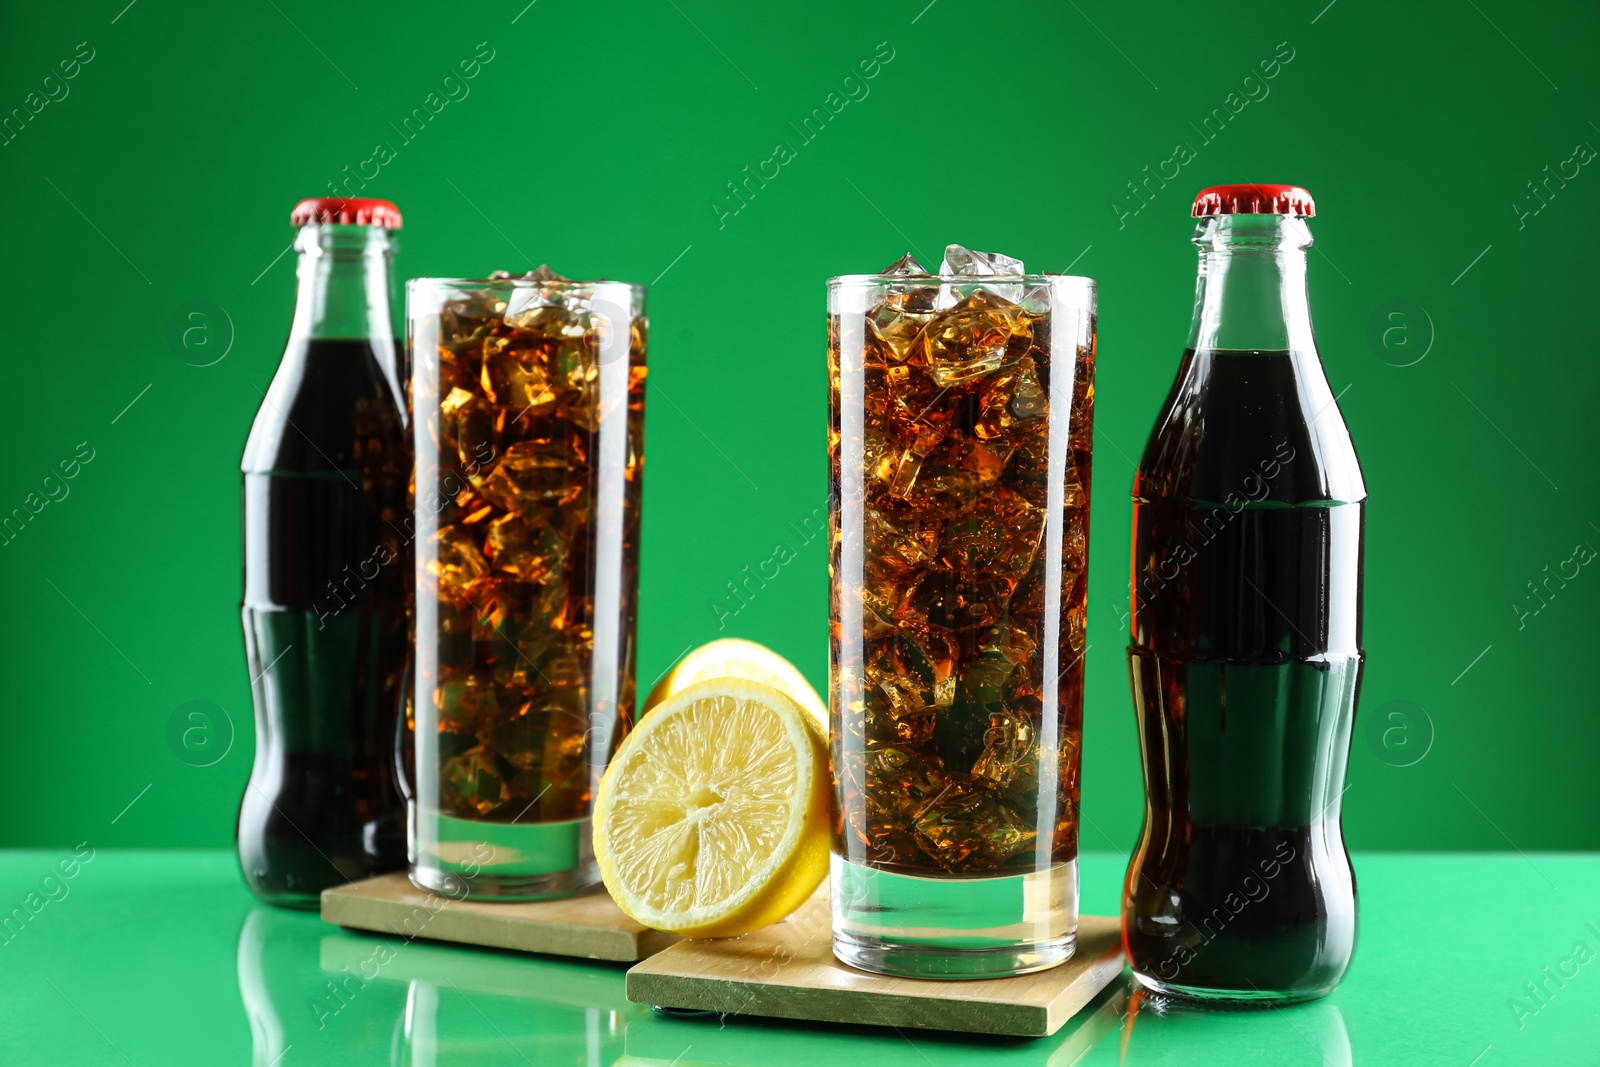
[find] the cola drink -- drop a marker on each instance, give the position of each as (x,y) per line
(327,566)
(961,414)
(1245,651)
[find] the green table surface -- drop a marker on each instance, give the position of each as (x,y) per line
(164,958)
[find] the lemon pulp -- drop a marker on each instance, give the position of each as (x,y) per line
(712,819)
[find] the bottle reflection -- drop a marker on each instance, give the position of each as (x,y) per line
(317,991)
(269,1030)
(1160,1029)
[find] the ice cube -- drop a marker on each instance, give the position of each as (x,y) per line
(893,327)
(999,539)
(468,423)
(906,267)
(901,534)
(979,335)
(472,784)
(983,683)
(1077,545)
(911,458)
(541,273)
(962,828)
(527,544)
(965,263)
(919,658)
(515,373)
(520,740)
(456,562)
(943,600)
(466,704)
(548,314)
(913,399)
(1076,623)
(534,471)
(1028,472)
(994,405)
(883,585)
(956,473)
(897,713)
(1008,743)
(576,375)
(562,780)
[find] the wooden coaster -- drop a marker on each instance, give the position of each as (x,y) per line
(788,971)
(588,926)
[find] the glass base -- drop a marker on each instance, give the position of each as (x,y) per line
(507,888)
(1240,998)
(883,956)
(954,927)
(467,860)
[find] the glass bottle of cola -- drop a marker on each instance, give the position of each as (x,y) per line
(326,570)
(1245,650)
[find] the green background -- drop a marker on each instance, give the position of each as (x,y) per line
(599,137)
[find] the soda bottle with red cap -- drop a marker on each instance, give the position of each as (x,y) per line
(327,566)
(1245,631)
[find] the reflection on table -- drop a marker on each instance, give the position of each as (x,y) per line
(317,994)
(314,994)
(1161,1030)
(659,1041)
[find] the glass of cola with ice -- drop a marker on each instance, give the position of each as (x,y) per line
(961,417)
(529,400)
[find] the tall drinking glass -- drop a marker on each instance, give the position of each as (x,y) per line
(529,403)
(959,440)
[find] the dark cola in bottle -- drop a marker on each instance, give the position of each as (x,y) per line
(327,566)
(1245,650)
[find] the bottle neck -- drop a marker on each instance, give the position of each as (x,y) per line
(1251,290)
(344,286)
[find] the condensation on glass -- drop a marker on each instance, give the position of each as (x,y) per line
(961,414)
(529,411)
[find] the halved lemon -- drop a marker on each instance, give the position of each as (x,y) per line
(712,820)
(734,657)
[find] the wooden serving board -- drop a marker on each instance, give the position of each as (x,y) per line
(788,971)
(589,926)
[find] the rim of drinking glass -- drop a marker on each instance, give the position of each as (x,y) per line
(521,283)
(960,279)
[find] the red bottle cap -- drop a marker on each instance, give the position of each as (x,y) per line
(1252,198)
(346,211)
